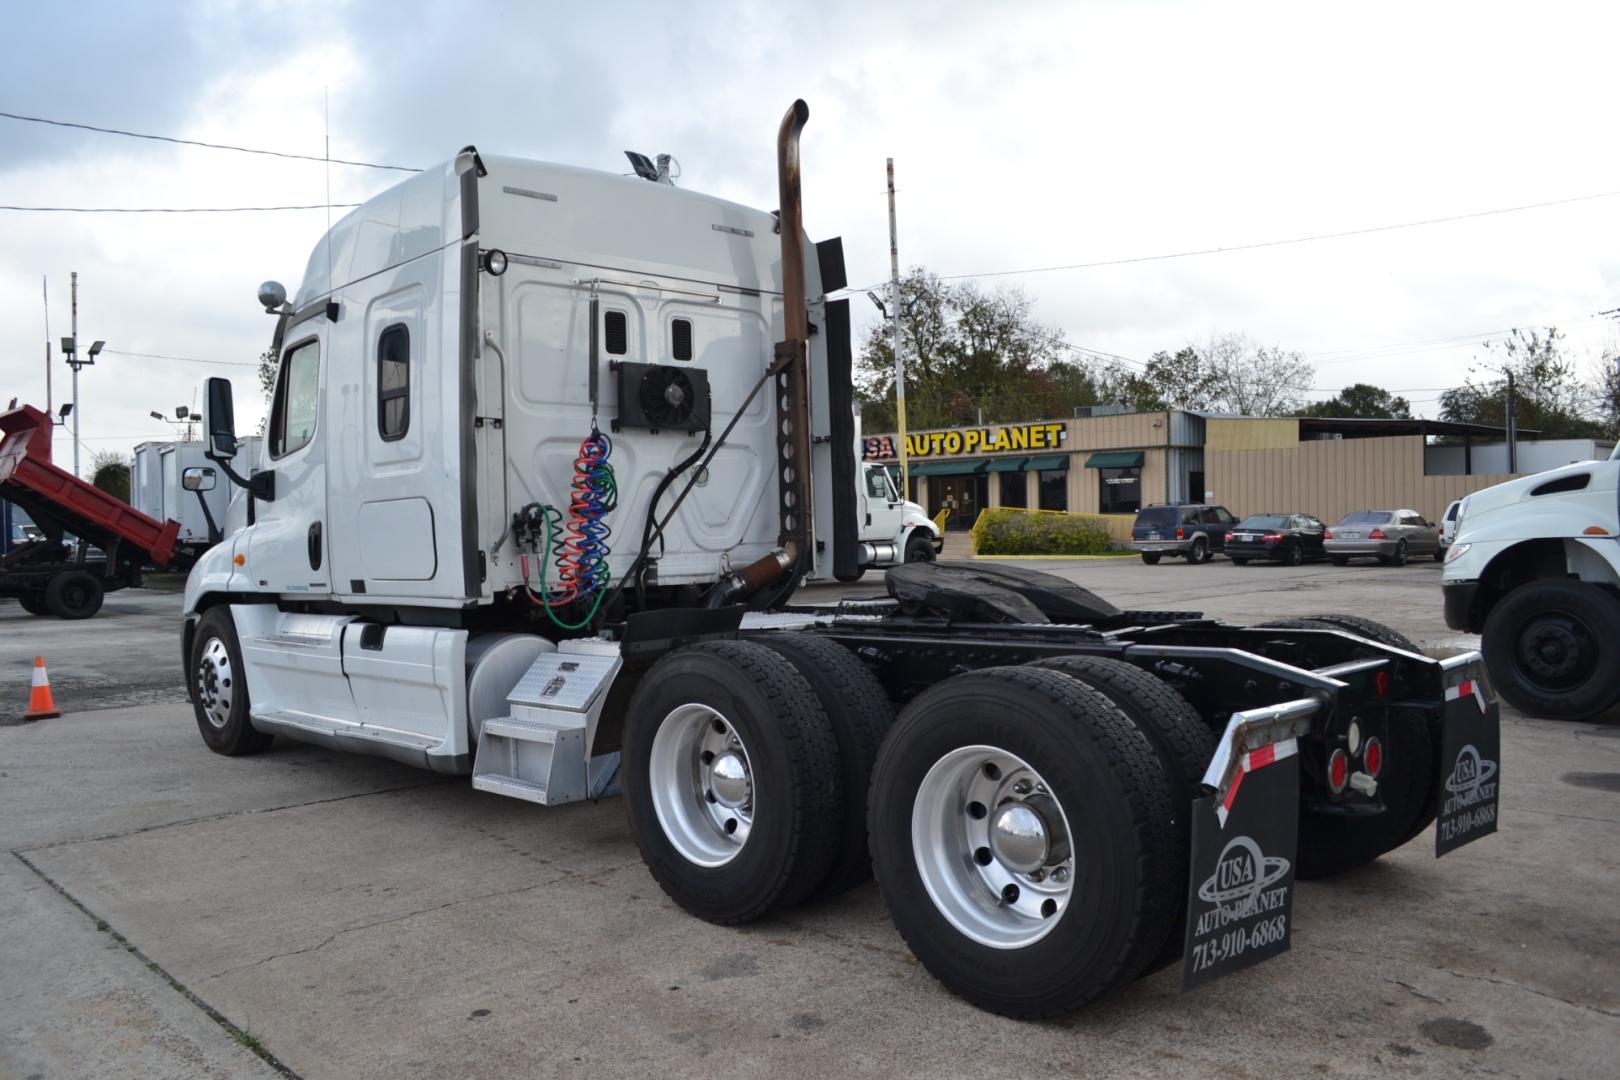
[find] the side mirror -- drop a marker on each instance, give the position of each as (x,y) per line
(219,419)
(197,478)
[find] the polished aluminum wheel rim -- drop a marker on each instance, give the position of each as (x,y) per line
(214,682)
(702,785)
(992,846)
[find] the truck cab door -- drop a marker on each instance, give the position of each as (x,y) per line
(883,506)
(286,549)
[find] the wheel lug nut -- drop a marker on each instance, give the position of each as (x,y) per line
(1022,787)
(1060,874)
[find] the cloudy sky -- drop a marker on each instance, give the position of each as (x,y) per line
(1025,135)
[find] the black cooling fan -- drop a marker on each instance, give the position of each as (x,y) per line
(662,397)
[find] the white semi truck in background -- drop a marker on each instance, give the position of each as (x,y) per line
(1535,569)
(892,530)
(550,452)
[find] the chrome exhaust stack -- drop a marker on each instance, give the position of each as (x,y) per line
(791,362)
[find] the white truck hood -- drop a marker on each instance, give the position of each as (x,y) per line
(1514,510)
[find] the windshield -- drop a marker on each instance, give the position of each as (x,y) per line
(1367,517)
(1264,521)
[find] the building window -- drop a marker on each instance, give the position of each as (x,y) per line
(1120,491)
(1054,489)
(394,382)
(1015,489)
(298,397)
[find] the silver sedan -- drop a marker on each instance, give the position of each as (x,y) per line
(1390,536)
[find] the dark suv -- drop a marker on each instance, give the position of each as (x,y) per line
(1195,530)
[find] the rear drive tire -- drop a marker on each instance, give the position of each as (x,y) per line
(1199,552)
(919,547)
(1354,624)
(1011,757)
(726,739)
(1397,559)
(1552,647)
(220,688)
(33,605)
(860,714)
(1294,555)
(1184,743)
(1151,557)
(76,594)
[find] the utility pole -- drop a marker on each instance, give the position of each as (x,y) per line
(1512,427)
(77,412)
(899,358)
(45,292)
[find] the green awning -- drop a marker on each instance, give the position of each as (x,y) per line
(1115,459)
(1005,464)
(953,467)
(1049,461)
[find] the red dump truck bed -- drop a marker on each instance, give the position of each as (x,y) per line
(28,478)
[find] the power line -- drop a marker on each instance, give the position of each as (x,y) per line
(205,145)
(172,209)
(181,359)
(1273,243)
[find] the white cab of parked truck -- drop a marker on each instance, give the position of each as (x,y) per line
(893,530)
(1535,568)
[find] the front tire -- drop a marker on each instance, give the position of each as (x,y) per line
(1552,647)
(731,780)
(1021,829)
(1199,552)
(220,689)
(919,547)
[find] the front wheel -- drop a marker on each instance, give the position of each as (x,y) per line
(1022,832)
(220,689)
(1199,552)
(1151,557)
(1552,647)
(919,548)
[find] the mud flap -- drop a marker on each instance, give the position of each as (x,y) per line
(1240,896)
(1469,767)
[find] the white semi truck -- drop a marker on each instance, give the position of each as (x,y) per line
(892,529)
(1535,569)
(550,452)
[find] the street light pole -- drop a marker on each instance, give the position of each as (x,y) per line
(899,358)
(74,361)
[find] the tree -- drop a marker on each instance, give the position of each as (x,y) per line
(109,471)
(1549,396)
(268,364)
(969,352)
(1254,380)
(1361,400)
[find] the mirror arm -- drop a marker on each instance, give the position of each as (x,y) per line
(260,486)
(214,535)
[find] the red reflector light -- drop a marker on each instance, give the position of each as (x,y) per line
(1372,758)
(1181,534)
(1338,770)
(1381,683)
(1377,534)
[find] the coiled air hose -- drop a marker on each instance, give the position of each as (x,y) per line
(581,548)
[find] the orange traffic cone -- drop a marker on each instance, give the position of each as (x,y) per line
(40,705)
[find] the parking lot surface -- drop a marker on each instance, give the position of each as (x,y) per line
(173,910)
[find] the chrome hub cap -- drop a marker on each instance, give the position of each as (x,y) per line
(702,785)
(992,847)
(214,679)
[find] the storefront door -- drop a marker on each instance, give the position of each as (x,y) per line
(964,495)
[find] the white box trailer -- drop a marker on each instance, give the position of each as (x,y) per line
(157,490)
(549,453)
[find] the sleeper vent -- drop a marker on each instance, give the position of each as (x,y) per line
(617,333)
(1572,482)
(681,331)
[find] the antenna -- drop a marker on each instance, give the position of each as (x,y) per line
(326,123)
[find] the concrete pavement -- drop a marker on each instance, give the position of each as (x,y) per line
(362,919)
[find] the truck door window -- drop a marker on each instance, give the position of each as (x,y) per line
(394,382)
(292,420)
(877,485)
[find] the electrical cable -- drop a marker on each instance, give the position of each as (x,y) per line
(204,145)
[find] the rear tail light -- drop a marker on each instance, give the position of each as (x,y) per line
(1228,538)
(1338,771)
(1181,534)
(1377,534)
(1327,534)
(1270,538)
(1372,758)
